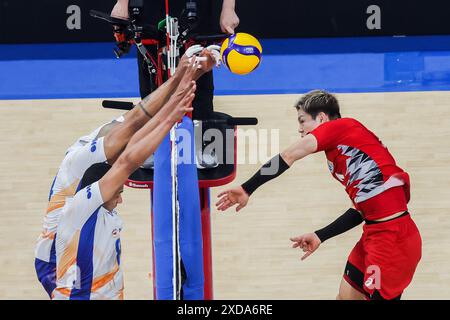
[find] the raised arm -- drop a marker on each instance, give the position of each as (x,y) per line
(118,137)
(300,149)
(143,144)
(151,106)
(269,171)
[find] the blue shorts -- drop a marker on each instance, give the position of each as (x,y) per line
(46,273)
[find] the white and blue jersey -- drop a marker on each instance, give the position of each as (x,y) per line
(85,152)
(88,249)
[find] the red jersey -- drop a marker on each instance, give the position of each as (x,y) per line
(359,161)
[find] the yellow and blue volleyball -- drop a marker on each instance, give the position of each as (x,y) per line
(241,53)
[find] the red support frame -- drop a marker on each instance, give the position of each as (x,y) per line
(207,244)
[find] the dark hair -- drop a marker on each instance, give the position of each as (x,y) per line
(93,174)
(317,101)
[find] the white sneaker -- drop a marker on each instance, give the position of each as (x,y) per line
(203,160)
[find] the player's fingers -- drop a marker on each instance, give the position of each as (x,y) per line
(229,30)
(191,98)
(296,239)
(222,207)
(193,50)
(215,56)
(223,193)
(295,245)
(200,59)
(222,200)
(225,203)
(239,207)
(196,62)
(207,53)
(196,48)
(213,47)
(190,90)
(188,96)
(218,204)
(228,205)
(212,52)
(191,66)
(306,255)
(187,108)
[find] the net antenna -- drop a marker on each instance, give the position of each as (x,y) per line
(172,55)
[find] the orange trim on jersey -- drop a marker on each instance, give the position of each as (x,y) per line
(64,291)
(69,257)
(100,281)
(48,235)
(58,200)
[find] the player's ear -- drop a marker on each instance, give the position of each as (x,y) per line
(321,117)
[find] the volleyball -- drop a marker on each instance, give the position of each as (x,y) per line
(241,53)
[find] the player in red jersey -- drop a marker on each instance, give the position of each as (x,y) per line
(383,262)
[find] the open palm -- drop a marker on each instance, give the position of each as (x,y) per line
(231,197)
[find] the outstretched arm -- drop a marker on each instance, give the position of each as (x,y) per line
(143,145)
(271,170)
(118,137)
(300,149)
(151,107)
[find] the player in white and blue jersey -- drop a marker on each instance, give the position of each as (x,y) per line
(87,243)
(103,145)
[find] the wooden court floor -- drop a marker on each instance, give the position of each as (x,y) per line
(252,257)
